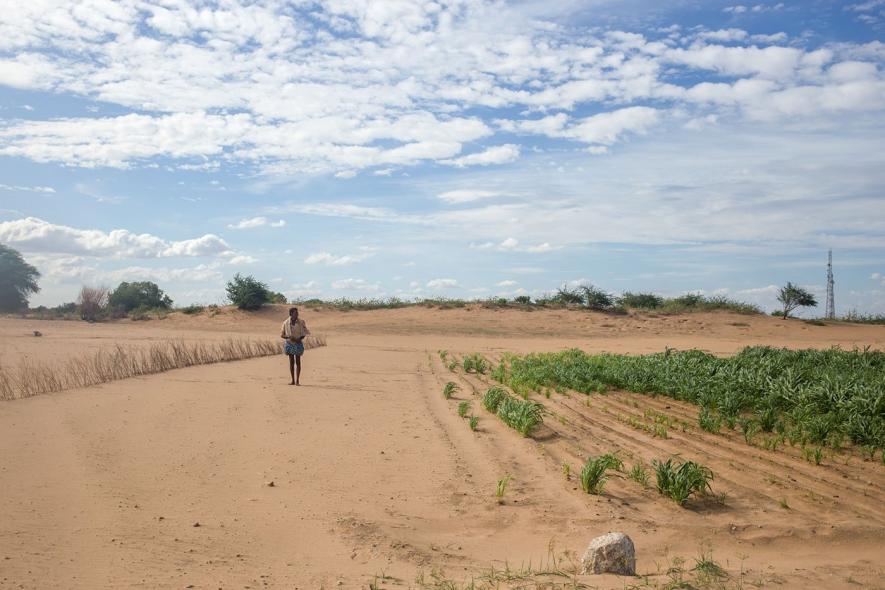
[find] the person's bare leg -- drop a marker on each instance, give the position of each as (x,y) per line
(298,370)
(292,368)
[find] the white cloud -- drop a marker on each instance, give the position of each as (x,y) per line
(301,290)
(255,222)
(294,89)
(501,154)
(604,129)
(467,195)
(442,284)
(513,245)
(724,35)
(36,235)
(242,259)
(507,283)
(57,269)
(328,259)
(27,189)
(355,285)
(866,6)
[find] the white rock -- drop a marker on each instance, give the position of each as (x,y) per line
(612,553)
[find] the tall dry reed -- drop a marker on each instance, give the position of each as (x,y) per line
(120,362)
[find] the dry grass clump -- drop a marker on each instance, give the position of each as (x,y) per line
(121,362)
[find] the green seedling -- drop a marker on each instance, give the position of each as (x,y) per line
(449,389)
(593,474)
(501,488)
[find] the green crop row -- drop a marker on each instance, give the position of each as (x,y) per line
(815,396)
(521,415)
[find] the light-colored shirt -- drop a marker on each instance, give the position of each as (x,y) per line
(296,330)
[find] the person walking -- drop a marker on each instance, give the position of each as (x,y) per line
(294,332)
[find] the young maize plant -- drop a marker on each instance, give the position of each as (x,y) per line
(492,398)
(449,389)
(679,482)
(473,422)
(521,415)
(501,488)
(463,409)
(638,474)
(593,475)
(475,363)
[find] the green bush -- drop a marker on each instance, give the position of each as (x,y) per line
(641,300)
(192,309)
(247,292)
(144,294)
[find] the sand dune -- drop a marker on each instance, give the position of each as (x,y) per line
(374,474)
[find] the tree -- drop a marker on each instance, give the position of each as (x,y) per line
(247,292)
(596,298)
(145,294)
(278,298)
(793,296)
(18,280)
(92,302)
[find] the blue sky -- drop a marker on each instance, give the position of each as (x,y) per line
(456,149)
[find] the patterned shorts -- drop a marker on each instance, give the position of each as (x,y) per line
(297,349)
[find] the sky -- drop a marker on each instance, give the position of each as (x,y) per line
(462,149)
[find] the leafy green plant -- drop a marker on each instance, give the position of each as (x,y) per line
(475,363)
(679,482)
(750,429)
(593,473)
(499,373)
(521,415)
(463,408)
(501,488)
(493,398)
(639,474)
(709,421)
(449,389)
(473,422)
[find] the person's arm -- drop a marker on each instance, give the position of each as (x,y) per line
(304,332)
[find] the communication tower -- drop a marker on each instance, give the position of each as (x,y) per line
(831,306)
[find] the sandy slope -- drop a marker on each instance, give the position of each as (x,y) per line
(374,472)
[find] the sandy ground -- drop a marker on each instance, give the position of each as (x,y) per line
(161,481)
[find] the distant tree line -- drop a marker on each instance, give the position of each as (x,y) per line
(140,299)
